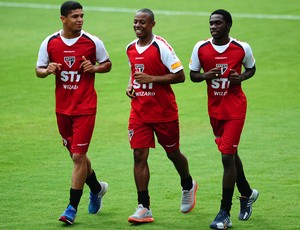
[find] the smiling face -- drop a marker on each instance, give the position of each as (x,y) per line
(142,25)
(73,22)
(219,28)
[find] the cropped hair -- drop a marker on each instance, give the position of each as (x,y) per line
(68,6)
(147,11)
(226,15)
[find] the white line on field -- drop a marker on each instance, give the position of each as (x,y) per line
(162,12)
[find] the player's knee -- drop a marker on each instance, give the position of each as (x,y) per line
(228,160)
(79,158)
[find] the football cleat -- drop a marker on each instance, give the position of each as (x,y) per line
(69,215)
(222,221)
(246,205)
(188,199)
(95,204)
(141,215)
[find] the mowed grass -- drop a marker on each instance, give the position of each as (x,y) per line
(35,169)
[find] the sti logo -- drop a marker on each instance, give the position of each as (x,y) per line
(223,67)
(139,67)
(69,60)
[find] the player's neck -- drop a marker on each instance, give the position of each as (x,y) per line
(221,41)
(70,34)
(145,41)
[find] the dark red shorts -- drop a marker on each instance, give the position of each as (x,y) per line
(76,131)
(227,133)
(141,135)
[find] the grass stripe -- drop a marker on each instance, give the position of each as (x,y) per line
(161,12)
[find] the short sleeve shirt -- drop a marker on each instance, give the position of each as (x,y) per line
(75,93)
(153,102)
(225,101)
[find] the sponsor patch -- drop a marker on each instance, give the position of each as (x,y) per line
(176,65)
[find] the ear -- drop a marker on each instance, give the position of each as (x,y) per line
(153,23)
(229,25)
(63,19)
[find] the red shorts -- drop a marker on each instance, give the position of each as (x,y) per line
(141,135)
(227,133)
(76,131)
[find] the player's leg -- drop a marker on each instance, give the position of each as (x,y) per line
(168,136)
(248,195)
(228,181)
(222,219)
(83,131)
(79,174)
(141,171)
(65,123)
(228,136)
(97,189)
(224,142)
(241,181)
(142,175)
(141,139)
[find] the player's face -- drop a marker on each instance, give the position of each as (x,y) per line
(142,25)
(218,27)
(74,21)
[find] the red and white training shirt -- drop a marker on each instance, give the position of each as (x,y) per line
(225,101)
(153,102)
(75,92)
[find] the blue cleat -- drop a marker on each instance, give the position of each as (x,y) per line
(69,215)
(246,205)
(222,221)
(96,200)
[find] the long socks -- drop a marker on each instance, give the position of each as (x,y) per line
(75,196)
(93,183)
(144,199)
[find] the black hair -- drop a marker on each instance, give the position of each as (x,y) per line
(147,11)
(226,15)
(68,6)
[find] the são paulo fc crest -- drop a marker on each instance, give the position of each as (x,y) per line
(223,67)
(70,60)
(139,67)
(130,134)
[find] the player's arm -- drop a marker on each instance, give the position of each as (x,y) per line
(103,67)
(234,77)
(130,91)
(43,72)
(170,78)
(249,66)
(211,74)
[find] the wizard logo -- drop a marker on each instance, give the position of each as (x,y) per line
(69,60)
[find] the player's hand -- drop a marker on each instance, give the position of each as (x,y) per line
(142,78)
(130,92)
(52,67)
(234,77)
(87,65)
(213,74)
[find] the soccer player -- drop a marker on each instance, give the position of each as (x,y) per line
(154,66)
(74,56)
(222,59)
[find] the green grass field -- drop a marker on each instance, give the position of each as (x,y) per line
(35,169)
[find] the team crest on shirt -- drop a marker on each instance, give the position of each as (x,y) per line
(70,60)
(130,134)
(223,67)
(139,67)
